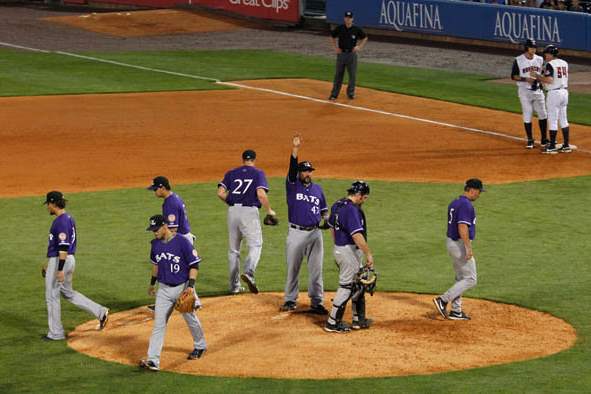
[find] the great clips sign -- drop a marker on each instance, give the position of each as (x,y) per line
(279,10)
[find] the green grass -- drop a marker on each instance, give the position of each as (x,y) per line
(40,73)
(532,249)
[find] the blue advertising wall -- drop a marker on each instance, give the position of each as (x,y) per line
(465,19)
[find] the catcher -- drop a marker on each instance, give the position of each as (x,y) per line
(175,267)
(350,237)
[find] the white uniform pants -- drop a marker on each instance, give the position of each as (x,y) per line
(532,101)
(557,103)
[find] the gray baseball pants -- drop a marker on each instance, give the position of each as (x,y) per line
(349,259)
(345,61)
(243,222)
(53,290)
(165,299)
(308,244)
(465,274)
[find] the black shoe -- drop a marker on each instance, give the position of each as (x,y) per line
(148,364)
(332,98)
(103,321)
(565,149)
(195,354)
(249,280)
(152,307)
(550,150)
(530,144)
(339,327)
(288,306)
(453,315)
(48,339)
(441,306)
(318,310)
(351,96)
(543,143)
(362,324)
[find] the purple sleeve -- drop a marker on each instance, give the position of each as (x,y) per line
(190,254)
(323,206)
(171,213)
(226,181)
(352,222)
(62,233)
(465,214)
(262,181)
(153,256)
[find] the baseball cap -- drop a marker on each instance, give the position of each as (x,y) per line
(305,166)
(53,197)
(159,181)
(474,183)
(249,154)
(359,187)
(156,222)
(348,14)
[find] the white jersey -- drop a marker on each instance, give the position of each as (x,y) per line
(558,70)
(522,67)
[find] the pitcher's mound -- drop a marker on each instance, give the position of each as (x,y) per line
(247,337)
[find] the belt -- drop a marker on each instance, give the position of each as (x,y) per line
(346,50)
(241,205)
(559,89)
(302,228)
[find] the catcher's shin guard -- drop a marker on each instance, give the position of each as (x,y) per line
(358,307)
(340,303)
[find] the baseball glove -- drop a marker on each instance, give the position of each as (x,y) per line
(368,278)
(186,301)
(271,220)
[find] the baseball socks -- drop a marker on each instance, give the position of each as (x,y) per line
(543,130)
(528,132)
(565,136)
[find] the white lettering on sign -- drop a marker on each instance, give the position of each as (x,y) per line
(277,5)
(518,27)
(303,197)
(405,14)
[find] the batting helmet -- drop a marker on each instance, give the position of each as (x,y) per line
(529,43)
(551,49)
(359,187)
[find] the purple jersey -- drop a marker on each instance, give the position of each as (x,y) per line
(305,204)
(61,234)
(346,219)
(174,258)
(242,184)
(175,214)
(459,211)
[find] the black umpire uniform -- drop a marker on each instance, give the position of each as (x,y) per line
(346,55)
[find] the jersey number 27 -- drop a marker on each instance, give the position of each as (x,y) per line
(239,189)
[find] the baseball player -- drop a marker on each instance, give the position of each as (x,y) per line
(347,40)
(173,208)
(175,268)
(555,80)
(244,189)
(59,273)
(461,229)
(530,91)
(306,206)
(350,247)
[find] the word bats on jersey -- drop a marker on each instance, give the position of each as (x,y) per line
(167,257)
(311,199)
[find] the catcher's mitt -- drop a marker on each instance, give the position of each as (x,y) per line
(368,278)
(271,220)
(186,301)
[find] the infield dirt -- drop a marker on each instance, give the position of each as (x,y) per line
(111,139)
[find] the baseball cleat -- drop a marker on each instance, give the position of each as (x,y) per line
(48,339)
(104,320)
(362,324)
(453,315)
(550,150)
(288,306)
(152,307)
(339,327)
(332,98)
(195,354)
(565,149)
(237,290)
(351,96)
(441,306)
(249,280)
(530,144)
(148,364)
(318,310)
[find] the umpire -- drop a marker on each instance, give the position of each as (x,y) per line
(347,47)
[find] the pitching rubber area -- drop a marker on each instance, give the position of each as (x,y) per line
(247,336)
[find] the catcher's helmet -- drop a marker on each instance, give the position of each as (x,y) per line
(529,43)
(551,49)
(359,187)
